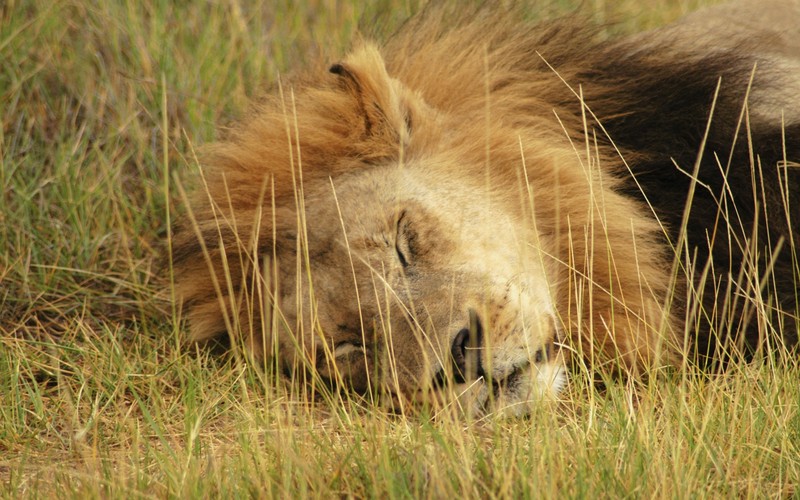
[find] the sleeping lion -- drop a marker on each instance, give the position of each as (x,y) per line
(459,213)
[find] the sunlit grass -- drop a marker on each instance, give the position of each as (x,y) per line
(102,103)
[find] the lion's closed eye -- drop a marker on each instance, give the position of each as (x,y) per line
(403,240)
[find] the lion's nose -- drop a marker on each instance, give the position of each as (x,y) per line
(466,350)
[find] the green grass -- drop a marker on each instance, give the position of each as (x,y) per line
(102,104)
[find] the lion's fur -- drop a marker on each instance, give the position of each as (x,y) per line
(551,122)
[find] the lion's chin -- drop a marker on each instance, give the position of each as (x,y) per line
(516,395)
(525,387)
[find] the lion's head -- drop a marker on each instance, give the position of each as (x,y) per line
(396,266)
(433,237)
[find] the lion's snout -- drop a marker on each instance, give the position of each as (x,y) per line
(490,365)
(466,351)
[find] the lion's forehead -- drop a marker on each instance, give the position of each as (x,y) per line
(455,223)
(449,206)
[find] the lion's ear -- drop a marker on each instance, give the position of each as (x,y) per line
(379,98)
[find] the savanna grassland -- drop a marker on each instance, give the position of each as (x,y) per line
(103,106)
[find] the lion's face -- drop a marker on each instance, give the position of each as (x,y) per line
(398,265)
(414,283)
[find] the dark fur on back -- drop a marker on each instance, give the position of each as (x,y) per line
(662,111)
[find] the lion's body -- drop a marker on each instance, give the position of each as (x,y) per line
(524,184)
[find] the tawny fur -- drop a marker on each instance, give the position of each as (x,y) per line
(529,112)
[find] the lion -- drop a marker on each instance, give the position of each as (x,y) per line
(464,211)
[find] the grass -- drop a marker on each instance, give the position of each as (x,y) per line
(102,103)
